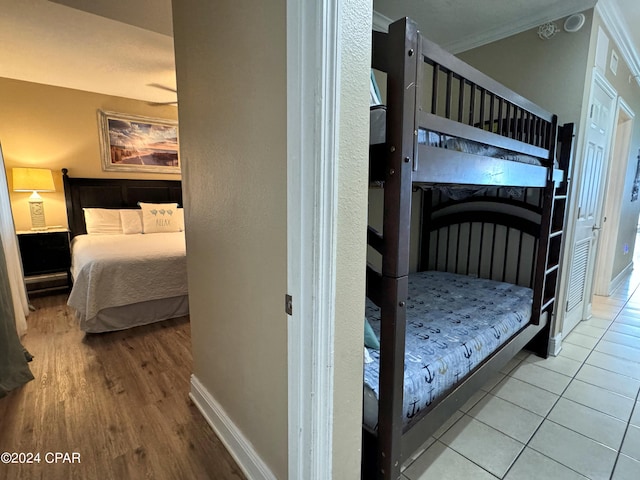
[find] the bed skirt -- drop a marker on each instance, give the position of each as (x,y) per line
(135,315)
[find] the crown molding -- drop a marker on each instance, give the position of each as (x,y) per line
(381,22)
(613,19)
(558,10)
(608,11)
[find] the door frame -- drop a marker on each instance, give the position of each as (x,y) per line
(596,77)
(603,283)
(313,104)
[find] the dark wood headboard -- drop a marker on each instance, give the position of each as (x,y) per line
(82,193)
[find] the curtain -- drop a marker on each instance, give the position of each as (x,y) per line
(12,255)
(14,369)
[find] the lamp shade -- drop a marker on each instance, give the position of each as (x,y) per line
(33,180)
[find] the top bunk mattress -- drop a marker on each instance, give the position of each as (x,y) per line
(377,135)
(442,159)
(454,322)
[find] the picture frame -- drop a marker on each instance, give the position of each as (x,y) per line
(636,181)
(134,143)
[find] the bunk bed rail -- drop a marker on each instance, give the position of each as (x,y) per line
(457,103)
(470,98)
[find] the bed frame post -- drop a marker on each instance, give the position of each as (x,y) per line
(401,144)
(71,214)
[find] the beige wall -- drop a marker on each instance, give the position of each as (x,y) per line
(231,72)
(538,69)
(52,127)
(232,83)
(556,74)
(551,73)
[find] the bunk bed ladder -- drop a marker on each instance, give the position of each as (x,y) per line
(551,243)
(401,144)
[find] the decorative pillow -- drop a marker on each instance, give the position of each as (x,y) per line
(131,221)
(367,356)
(180,218)
(370,339)
(102,220)
(159,217)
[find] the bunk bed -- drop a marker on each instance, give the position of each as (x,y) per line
(486,170)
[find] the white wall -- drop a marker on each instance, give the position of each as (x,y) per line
(353,182)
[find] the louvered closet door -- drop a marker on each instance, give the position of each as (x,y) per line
(590,199)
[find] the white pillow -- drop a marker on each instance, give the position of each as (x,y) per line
(131,221)
(180,218)
(159,217)
(102,220)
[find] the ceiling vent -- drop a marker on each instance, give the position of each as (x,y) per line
(547,30)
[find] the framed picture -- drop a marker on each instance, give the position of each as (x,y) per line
(132,143)
(636,182)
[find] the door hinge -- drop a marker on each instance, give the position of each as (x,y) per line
(288,304)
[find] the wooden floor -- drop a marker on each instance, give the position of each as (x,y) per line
(119,400)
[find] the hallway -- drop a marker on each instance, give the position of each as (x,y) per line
(573,416)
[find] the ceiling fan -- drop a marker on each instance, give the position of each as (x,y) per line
(163,87)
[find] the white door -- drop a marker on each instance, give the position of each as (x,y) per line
(590,194)
(604,282)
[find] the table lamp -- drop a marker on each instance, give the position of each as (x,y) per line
(34,180)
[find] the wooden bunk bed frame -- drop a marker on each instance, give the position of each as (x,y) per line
(429,89)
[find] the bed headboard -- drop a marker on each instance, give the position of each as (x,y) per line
(113,193)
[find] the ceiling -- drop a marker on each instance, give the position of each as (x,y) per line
(125,47)
(51,43)
(460,24)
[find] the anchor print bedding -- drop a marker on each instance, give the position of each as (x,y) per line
(453,323)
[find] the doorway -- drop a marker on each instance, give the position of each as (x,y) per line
(607,278)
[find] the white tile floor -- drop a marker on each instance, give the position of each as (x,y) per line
(573,416)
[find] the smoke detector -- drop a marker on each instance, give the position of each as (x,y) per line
(574,22)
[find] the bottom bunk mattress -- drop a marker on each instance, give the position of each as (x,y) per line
(454,322)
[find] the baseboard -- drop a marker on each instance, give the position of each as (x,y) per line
(555,344)
(621,277)
(238,446)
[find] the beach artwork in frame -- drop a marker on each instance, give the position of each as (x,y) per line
(133,143)
(636,182)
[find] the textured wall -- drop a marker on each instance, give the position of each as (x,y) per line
(351,242)
(231,71)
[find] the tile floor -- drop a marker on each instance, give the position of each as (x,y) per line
(573,416)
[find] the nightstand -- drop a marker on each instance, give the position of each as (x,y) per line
(46,260)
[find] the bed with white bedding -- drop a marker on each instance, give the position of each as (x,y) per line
(117,277)
(128,251)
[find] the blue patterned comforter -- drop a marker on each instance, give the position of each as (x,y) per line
(453,323)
